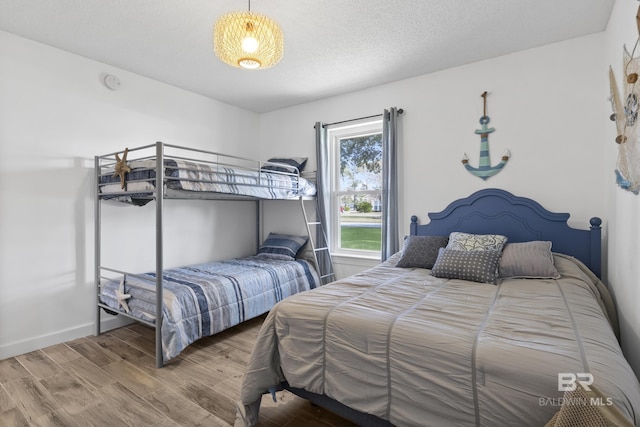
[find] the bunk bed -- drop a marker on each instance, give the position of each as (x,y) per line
(186,303)
(475,322)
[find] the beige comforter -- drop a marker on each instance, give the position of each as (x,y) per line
(418,351)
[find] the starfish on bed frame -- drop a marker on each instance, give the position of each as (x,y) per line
(122,297)
(121,167)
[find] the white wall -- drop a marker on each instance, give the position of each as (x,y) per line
(624,207)
(546,105)
(55,115)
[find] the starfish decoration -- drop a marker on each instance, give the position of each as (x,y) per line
(121,167)
(122,297)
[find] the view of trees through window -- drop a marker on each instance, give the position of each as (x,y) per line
(360,192)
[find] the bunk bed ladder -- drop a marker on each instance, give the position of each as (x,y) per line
(319,246)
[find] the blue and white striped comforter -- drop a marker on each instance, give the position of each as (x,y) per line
(202,177)
(204,299)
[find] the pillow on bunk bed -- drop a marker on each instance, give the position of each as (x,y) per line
(528,260)
(421,251)
(282,246)
(294,163)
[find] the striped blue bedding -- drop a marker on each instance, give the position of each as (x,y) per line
(204,299)
(203,177)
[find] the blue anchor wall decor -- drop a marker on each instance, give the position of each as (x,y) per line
(484,169)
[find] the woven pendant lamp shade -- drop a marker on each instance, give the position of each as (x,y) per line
(248,40)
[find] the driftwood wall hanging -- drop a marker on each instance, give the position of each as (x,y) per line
(484,169)
(625,115)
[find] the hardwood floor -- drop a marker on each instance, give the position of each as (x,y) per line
(111,380)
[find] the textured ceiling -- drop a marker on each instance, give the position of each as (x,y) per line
(331,46)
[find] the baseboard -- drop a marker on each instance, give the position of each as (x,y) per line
(25,346)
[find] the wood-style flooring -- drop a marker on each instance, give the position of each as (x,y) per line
(111,380)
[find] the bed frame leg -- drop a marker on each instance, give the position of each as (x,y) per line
(159,196)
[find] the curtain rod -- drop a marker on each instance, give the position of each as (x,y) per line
(400,111)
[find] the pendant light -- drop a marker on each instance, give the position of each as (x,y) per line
(248,40)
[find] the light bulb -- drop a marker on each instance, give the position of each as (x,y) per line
(249,44)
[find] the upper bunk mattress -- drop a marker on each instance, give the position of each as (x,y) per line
(182,175)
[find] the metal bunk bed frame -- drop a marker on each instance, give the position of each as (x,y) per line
(159,194)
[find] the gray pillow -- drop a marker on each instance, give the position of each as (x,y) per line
(476,266)
(476,242)
(421,251)
(295,164)
(282,245)
(529,260)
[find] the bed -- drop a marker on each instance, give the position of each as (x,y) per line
(189,173)
(204,299)
(186,303)
(486,337)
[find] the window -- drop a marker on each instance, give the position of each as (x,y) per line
(356,189)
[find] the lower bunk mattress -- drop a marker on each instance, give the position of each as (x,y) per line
(204,299)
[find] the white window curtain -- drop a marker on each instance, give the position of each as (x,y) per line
(390,240)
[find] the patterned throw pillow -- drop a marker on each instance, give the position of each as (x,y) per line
(421,251)
(528,260)
(294,163)
(476,266)
(476,242)
(287,247)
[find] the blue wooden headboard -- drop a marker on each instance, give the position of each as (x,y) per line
(495,211)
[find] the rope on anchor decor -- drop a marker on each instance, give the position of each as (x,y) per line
(484,169)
